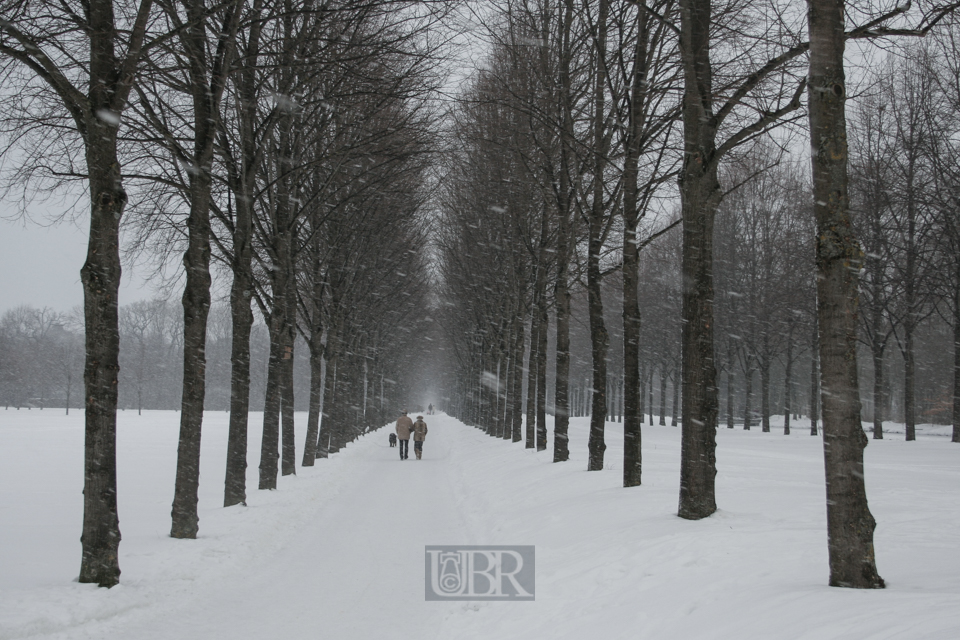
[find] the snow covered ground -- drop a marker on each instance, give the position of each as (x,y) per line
(337,552)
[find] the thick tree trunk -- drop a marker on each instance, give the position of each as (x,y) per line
(700,196)
(100,276)
(196,307)
(850,524)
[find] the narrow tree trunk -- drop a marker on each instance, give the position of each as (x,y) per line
(542,374)
(663,396)
(676,400)
(850,524)
(516,421)
(641,396)
(288,465)
(877,390)
(956,356)
(532,381)
(909,377)
(748,396)
(814,380)
(788,385)
(632,456)
(731,387)
(765,391)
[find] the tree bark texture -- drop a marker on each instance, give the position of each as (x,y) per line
(700,196)
(850,524)
(100,276)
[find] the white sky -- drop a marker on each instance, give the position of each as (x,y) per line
(41,265)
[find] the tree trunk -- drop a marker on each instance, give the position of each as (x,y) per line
(850,524)
(676,400)
(516,419)
(542,373)
(288,464)
(877,350)
(100,276)
(909,377)
(788,385)
(814,380)
(313,415)
(532,380)
(324,434)
(956,357)
(288,459)
(270,441)
(196,306)
(632,456)
(663,396)
(642,391)
(700,196)
(765,390)
(731,387)
(241,292)
(748,395)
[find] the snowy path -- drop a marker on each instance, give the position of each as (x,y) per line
(337,552)
(355,569)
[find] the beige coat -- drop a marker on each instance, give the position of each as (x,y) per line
(404,427)
(419,431)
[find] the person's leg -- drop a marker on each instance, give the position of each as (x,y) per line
(418,447)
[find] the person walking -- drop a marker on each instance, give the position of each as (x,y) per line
(430,409)
(419,435)
(404,427)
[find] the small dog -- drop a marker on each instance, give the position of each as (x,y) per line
(393,439)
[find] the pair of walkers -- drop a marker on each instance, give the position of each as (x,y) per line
(407,427)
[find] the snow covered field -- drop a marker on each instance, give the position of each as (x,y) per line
(337,552)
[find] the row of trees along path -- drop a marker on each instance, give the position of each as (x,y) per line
(290,143)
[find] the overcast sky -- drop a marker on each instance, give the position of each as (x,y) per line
(41,266)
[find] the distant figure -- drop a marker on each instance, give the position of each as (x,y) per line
(419,435)
(430,409)
(393,439)
(404,426)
